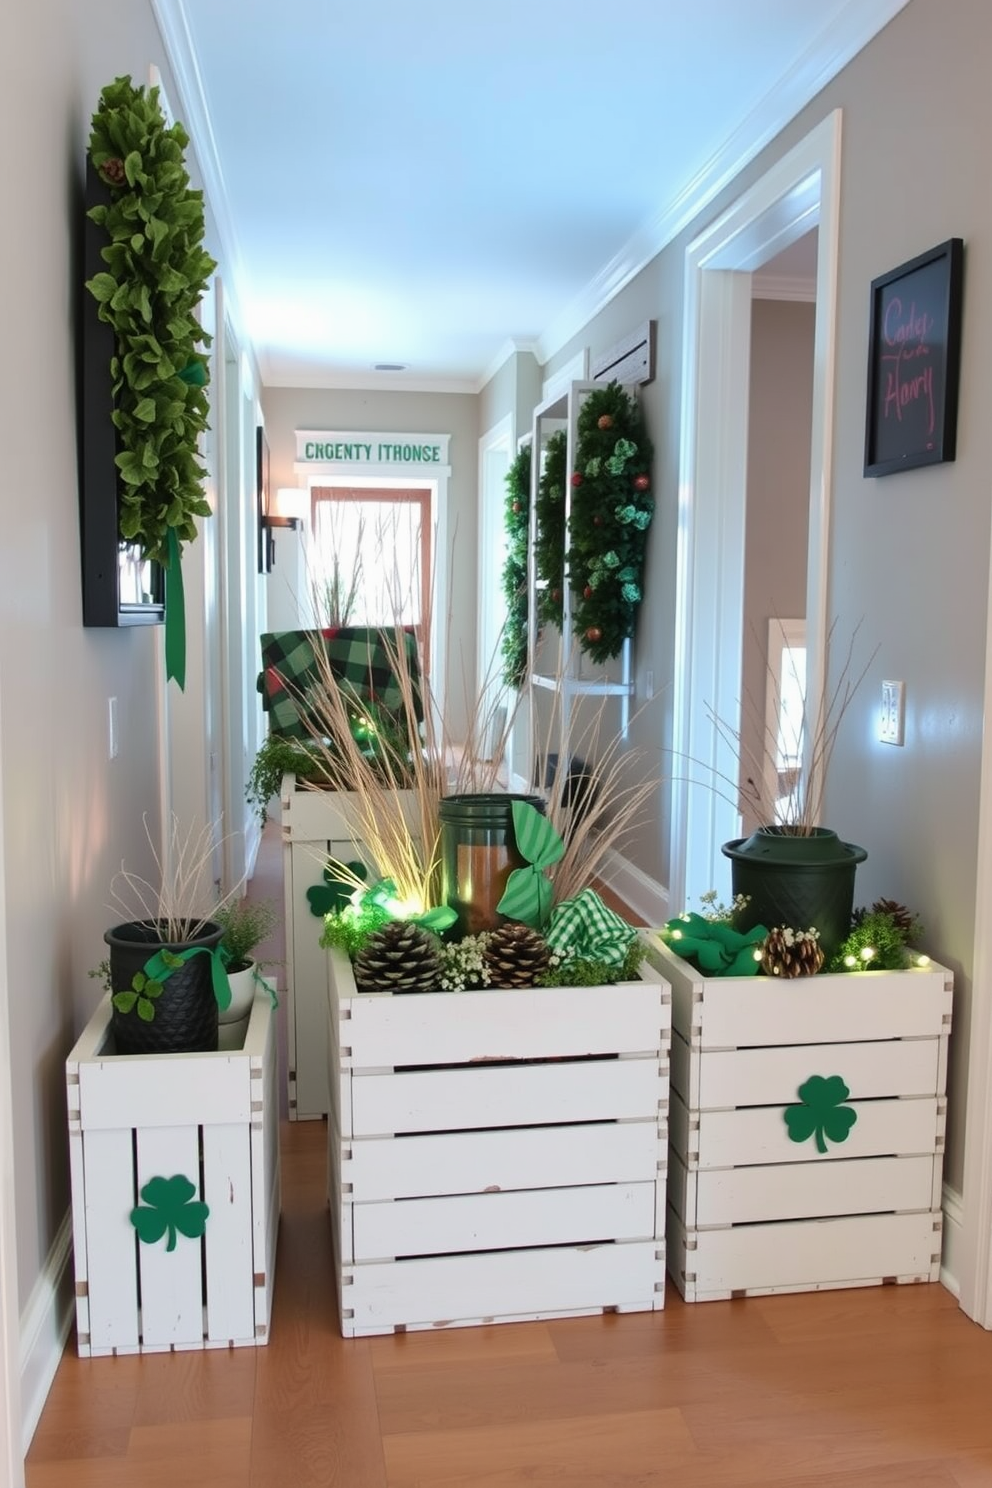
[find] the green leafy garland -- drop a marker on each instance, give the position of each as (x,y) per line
(611,512)
(155,276)
(549,543)
(516,516)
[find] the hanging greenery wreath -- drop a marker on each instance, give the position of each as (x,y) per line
(610,514)
(155,277)
(549,542)
(516,516)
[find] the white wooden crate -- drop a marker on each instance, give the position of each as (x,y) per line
(316,825)
(211,1117)
(751,1211)
(497,1155)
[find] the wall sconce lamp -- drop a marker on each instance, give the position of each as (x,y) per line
(288,508)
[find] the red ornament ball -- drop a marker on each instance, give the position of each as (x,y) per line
(587,593)
(605,421)
(594,633)
(642,482)
(597,520)
(516,506)
(577,478)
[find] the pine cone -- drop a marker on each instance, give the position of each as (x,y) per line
(515,956)
(902,918)
(791,953)
(400,957)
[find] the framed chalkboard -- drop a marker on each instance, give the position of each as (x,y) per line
(913,357)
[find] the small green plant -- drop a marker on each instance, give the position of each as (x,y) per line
(279,756)
(144,990)
(245,923)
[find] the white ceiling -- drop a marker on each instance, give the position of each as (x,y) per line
(428,182)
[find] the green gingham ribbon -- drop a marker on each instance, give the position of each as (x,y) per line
(161,966)
(584,927)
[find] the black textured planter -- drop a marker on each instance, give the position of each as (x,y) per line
(796,881)
(185,1019)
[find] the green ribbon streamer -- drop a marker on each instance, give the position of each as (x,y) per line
(164,963)
(527,896)
(175,615)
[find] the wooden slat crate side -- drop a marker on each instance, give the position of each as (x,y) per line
(528,1023)
(171,1281)
(506,1095)
(318,815)
(139,1090)
(759,1077)
(758,1134)
(228,1238)
(107,1199)
(807,1253)
(532,1217)
(746,1012)
(306,976)
(869,1185)
(267,1180)
(497,1161)
(446,1291)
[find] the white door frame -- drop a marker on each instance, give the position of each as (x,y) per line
(975,1264)
(11,1423)
(798,193)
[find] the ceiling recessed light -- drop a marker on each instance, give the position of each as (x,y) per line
(389,367)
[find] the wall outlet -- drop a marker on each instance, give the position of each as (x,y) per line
(892,719)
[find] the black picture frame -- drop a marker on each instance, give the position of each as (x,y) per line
(118,587)
(266,545)
(914,354)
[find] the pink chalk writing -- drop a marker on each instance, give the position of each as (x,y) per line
(908,384)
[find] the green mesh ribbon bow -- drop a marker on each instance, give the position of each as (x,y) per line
(585,928)
(382,896)
(713,947)
(527,896)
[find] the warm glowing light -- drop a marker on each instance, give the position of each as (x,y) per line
(757,956)
(923,959)
(676,934)
(868,953)
(850,960)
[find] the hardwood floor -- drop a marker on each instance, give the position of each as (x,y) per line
(882,1387)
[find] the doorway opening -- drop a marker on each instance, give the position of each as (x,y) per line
(798,194)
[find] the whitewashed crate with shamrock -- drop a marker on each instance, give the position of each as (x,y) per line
(755,1203)
(160,1137)
(316,826)
(497,1155)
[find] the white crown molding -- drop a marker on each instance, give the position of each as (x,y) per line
(845,36)
(370,382)
(178,43)
(783,287)
(510,348)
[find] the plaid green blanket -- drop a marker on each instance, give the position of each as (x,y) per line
(359,658)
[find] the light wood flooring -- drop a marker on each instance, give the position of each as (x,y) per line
(882,1387)
(879,1388)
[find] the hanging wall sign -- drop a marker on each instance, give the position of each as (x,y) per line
(913,352)
(330,447)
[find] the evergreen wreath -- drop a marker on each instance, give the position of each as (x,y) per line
(610,515)
(155,276)
(516,516)
(549,543)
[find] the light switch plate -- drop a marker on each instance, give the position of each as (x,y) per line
(892,720)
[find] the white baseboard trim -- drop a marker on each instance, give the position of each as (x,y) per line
(647,898)
(950,1268)
(45,1324)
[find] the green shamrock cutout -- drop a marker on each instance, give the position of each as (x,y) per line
(335,892)
(527,896)
(822,1113)
(141,997)
(170,1208)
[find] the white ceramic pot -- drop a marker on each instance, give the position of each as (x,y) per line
(233,1020)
